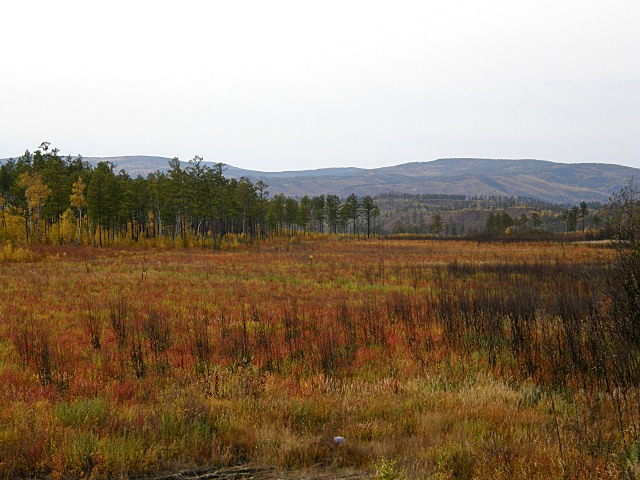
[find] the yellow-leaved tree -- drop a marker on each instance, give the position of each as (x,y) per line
(68,224)
(36,194)
(78,201)
(4,226)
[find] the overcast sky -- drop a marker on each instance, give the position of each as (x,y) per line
(274,85)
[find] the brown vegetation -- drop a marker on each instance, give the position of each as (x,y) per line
(451,359)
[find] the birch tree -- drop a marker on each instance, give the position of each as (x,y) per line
(36,194)
(78,201)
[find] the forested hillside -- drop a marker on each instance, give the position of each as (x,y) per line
(470,215)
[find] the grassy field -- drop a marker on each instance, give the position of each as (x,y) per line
(434,359)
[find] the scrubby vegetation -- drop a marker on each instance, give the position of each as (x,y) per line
(456,359)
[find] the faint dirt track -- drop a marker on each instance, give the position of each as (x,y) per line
(261,473)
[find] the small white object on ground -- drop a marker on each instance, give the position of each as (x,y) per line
(338,440)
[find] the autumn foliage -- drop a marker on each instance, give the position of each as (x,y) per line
(457,359)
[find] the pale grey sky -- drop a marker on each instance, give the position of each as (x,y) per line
(274,85)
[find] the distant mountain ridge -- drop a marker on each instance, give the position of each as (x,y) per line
(545,180)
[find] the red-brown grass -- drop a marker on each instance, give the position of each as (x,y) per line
(456,359)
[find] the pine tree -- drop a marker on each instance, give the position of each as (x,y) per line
(437,225)
(584,211)
(368,212)
(99,202)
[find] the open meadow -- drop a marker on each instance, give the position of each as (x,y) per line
(433,359)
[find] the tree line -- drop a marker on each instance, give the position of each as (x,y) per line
(49,198)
